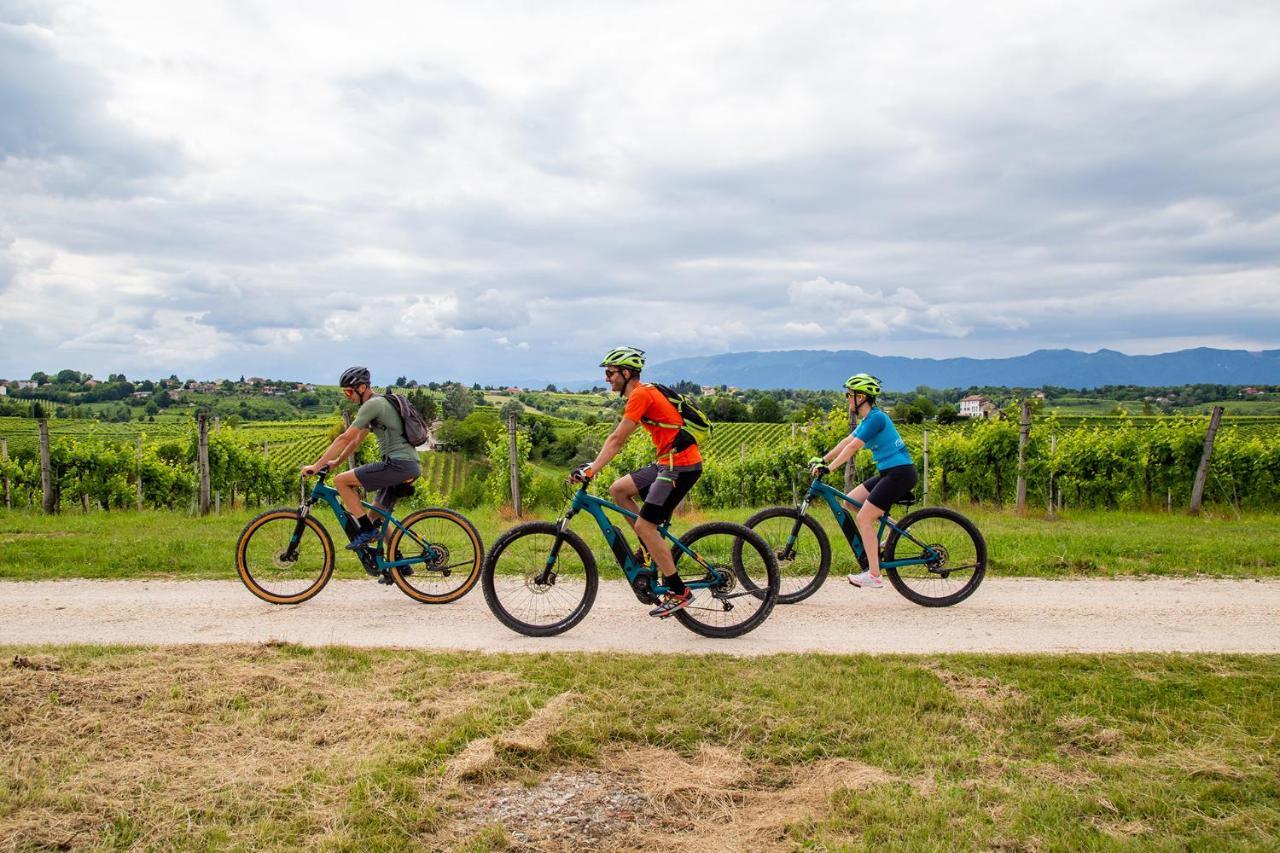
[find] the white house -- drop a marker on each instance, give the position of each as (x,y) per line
(976,406)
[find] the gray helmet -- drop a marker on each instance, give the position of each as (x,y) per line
(353,377)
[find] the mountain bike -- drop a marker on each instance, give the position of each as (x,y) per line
(285,556)
(540,578)
(934,556)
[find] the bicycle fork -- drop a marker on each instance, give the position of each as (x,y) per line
(291,553)
(789,550)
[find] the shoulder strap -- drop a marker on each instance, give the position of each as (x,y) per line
(662,389)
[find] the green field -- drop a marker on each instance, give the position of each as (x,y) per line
(1080,544)
(287,747)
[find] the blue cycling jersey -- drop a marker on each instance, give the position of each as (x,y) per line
(881,437)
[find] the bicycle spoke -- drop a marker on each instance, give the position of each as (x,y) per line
(521,592)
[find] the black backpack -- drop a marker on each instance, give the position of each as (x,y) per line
(415,428)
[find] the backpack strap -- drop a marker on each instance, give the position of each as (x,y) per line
(652,422)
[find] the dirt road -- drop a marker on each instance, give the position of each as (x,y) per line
(1005,615)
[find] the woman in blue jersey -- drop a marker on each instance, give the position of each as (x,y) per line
(895,477)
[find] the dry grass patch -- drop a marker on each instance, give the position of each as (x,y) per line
(987,692)
(1084,735)
(645,798)
(530,736)
(168,737)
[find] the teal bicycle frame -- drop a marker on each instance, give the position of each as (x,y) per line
(835,500)
(329,495)
(645,582)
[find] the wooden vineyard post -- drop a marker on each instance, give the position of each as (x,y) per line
(139,472)
(202,460)
(1202,473)
(848,466)
(4,457)
(1024,432)
(924,492)
(346,424)
(1053,451)
(48,499)
(514,464)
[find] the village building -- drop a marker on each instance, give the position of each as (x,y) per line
(977,406)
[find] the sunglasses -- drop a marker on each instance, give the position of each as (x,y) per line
(610,372)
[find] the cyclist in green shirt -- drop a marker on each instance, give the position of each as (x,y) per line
(391,478)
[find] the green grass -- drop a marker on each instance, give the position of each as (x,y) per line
(271,746)
(1079,544)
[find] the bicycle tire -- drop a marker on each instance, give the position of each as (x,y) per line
(272,530)
(708,614)
(459,533)
(960,544)
(775,536)
(525,562)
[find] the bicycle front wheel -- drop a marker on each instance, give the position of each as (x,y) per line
(528,596)
(277,573)
(744,579)
(803,561)
(949,554)
(447,552)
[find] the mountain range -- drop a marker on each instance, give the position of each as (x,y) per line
(818,369)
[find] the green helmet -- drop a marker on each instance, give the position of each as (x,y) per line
(624,357)
(863,383)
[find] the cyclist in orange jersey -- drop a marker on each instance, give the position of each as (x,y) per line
(662,484)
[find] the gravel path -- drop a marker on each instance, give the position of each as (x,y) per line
(1005,615)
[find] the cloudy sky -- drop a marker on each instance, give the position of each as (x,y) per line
(501,191)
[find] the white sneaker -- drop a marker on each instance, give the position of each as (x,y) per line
(866,580)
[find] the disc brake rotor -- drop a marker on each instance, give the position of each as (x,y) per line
(281,561)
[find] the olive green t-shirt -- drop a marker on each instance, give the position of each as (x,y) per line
(379,415)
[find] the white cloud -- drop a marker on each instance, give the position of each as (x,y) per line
(968,180)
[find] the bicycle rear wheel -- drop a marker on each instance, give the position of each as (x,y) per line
(520,591)
(804,563)
(952,557)
(745,572)
(271,570)
(448,548)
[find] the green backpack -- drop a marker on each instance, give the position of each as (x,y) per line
(697,426)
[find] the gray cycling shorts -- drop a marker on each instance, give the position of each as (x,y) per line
(381,476)
(663,488)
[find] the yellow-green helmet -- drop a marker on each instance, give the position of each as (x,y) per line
(624,357)
(863,383)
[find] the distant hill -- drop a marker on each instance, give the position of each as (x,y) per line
(1067,368)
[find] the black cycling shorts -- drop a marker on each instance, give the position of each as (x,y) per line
(663,488)
(891,485)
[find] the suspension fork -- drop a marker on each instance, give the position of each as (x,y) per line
(548,573)
(789,551)
(304,509)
